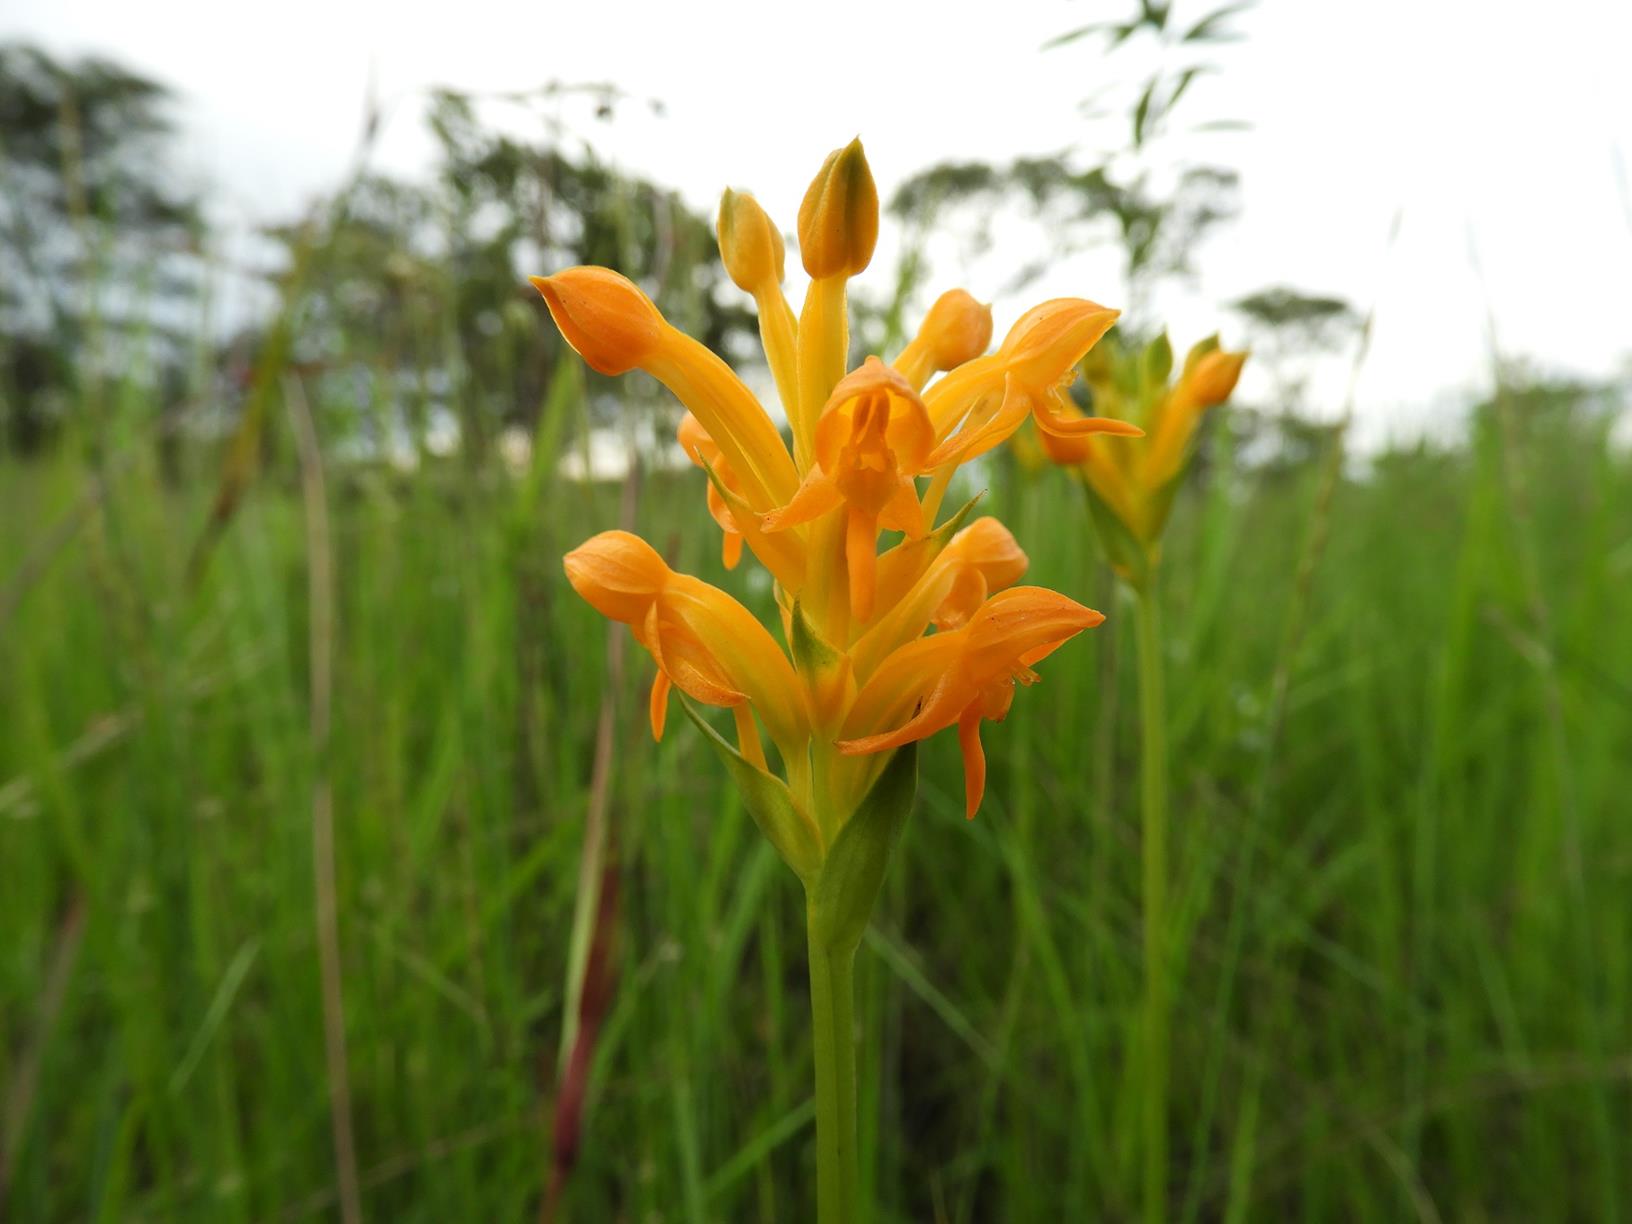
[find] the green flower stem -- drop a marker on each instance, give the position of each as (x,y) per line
(839,899)
(1153,810)
(832,1010)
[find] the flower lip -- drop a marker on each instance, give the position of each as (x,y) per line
(606,318)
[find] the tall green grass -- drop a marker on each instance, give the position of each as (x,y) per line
(1401,889)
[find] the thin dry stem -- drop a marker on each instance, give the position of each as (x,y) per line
(320,605)
(588,973)
(19,1099)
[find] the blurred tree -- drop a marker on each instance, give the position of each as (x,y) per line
(1141,192)
(96,239)
(416,306)
(1290,332)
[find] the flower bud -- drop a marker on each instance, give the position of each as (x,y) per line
(1198,350)
(617,574)
(604,316)
(1214,377)
(956,329)
(750,246)
(838,221)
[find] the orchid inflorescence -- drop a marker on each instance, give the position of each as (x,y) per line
(1131,486)
(873,450)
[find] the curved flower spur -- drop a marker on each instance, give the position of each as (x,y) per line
(855,683)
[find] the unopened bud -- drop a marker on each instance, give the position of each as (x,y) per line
(956,329)
(1214,377)
(1198,350)
(838,221)
(604,316)
(750,245)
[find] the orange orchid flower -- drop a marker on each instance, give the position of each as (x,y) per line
(987,400)
(980,559)
(966,675)
(871,440)
(1135,482)
(703,641)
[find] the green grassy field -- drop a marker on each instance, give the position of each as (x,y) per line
(1401,728)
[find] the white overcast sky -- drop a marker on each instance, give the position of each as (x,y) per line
(1495,126)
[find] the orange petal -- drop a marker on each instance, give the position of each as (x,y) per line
(861,559)
(1051,420)
(750,245)
(967,594)
(979,559)
(748,736)
(814,498)
(964,674)
(1013,625)
(838,218)
(940,708)
(1044,346)
(952,398)
(903,511)
(730,648)
(974,761)
(701,449)
(977,439)
(1214,377)
(907,432)
(697,674)
(658,703)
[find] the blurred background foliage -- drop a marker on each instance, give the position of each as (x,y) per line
(313,550)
